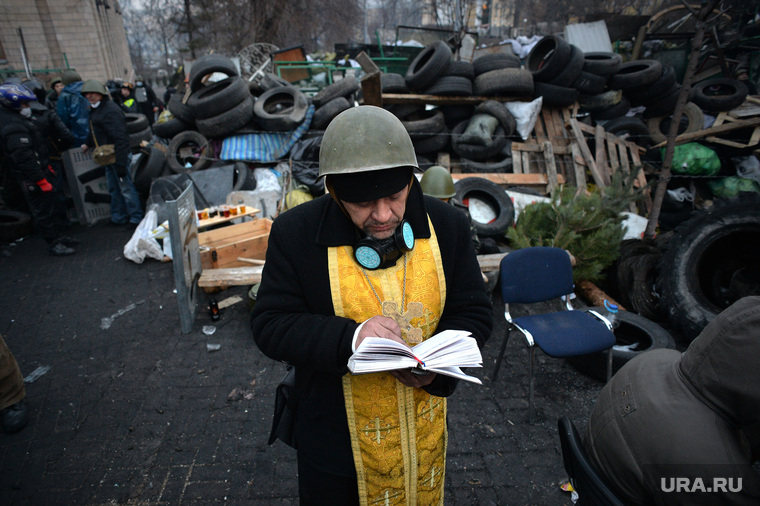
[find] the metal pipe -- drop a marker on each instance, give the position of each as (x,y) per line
(23,53)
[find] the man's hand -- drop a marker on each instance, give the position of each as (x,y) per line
(84,147)
(410,379)
(382,326)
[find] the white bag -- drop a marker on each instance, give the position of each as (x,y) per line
(526,114)
(142,243)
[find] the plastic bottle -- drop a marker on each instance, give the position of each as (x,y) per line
(611,313)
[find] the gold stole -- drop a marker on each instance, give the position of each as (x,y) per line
(398,433)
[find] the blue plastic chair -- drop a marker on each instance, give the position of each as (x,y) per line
(540,274)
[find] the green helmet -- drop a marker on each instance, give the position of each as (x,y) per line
(437,182)
(94,86)
(363,139)
(70,76)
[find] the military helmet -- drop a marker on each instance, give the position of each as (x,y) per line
(437,182)
(70,76)
(94,86)
(363,139)
(55,81)
(13,95)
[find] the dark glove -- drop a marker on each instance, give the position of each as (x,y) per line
(44,185)
(120,171)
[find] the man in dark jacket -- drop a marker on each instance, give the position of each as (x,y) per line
(21,144)
(127,99)
(672,428)
(109,126)
(147,101)
(56,138)
(56,88)
(362,437)
(72,107)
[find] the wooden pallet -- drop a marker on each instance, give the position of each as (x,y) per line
(611,153)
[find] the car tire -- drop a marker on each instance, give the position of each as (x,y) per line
(572,70)
(149,167)
(691,113)
(228,122)
(281,109)
(343,88)
(325,114)
(188,147)
(430,64)
(218,97)
(547,58)
(493,196)
(635,74)
(209,64)
(504,82)
(170,128)
(715,95)
(136,122)
(494,61)
(709,263)
(634,335)
(14,225)
(602,63)
(452,86)
(180,110)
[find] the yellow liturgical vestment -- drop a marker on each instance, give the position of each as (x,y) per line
(398,433)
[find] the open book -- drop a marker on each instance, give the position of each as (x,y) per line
(443,353)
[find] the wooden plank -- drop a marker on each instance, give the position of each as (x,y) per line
(578,169)
(366,63)
(551,169)
(601,153)
(536,148)
(539,129)
(233,276)
(372,90)
(511,179)
(613,155)
(625,166)
(490,262)
(726,127)
(526,163)
(411,98)
(230,233)
(516,162)
(590,163)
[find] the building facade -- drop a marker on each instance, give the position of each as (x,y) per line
(47,36)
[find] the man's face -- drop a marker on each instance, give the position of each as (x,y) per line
(58,87)
(125,92)
(93,97)
(379,218)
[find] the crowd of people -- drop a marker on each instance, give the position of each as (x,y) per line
(38,124)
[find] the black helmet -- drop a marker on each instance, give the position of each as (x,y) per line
(37,88)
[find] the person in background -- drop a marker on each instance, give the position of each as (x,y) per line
(109,126)
(21,145)
(147,101)
(170,90)
(56,139)
(667,416)
(56,87)
(72,107)
(320,297)
(14,413)
(127,99)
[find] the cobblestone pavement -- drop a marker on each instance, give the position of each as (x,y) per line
(132,411)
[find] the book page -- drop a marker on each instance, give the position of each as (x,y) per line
(444,353)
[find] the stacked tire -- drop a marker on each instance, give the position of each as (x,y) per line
(333,100)
(557,70)
(138,129)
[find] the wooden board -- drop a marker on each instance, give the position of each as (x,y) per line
(221,248)
(232,276)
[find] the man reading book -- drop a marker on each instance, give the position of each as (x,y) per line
(374,258)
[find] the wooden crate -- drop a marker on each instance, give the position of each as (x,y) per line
(221,248)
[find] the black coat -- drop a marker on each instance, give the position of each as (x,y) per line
(21,143)
(56,137)
(294,319)
(109,126)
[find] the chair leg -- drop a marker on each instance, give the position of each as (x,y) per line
(531,366)
(609,364)
(501,355)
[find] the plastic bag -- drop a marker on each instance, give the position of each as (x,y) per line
(143,243)
(526,115)
(728,187)
(694,160)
